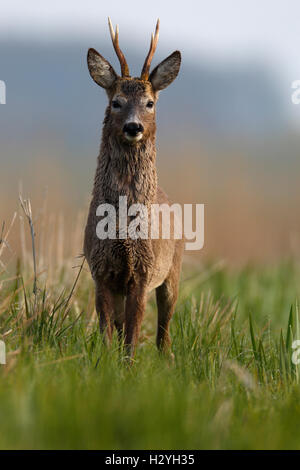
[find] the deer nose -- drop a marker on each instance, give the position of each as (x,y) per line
(133,129)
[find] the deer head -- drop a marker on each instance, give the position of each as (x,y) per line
(131,110)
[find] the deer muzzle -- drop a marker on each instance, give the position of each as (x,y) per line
(133,131)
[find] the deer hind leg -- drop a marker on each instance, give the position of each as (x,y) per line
(119,314)
(166,298)
(134,312)
(105,310)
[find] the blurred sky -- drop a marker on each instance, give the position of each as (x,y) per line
(266,28)
(266,31)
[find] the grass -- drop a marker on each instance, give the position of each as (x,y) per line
(232,384)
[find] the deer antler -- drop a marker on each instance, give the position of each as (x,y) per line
(115,41)
(153,45)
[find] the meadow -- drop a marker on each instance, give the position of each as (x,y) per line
(227,137)
(232,384)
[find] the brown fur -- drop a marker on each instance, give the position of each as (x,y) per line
(125,271)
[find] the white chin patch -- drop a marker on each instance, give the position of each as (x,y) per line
(132,139)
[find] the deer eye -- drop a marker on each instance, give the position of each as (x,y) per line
(116,104)
(150,104)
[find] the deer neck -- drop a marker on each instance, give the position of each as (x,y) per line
(126,170)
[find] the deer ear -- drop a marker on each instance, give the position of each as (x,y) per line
(166,72)
(100,69)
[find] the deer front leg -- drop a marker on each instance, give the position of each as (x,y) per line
(105,310)
(134,312)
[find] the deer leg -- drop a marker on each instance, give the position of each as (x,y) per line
(105,310)
(134,312)
(119,314)
(166,297)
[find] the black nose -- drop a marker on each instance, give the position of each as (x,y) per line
(133,129)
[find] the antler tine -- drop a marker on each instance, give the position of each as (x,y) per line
(115,40)
(111,30)
(148,60)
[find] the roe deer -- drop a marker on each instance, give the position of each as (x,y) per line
(126,270)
